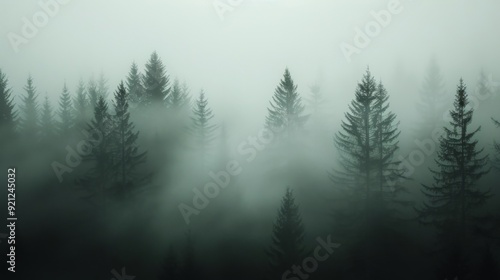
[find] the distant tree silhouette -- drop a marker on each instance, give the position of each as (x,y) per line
(82,109)
(454,198)
(29,123)
(155,81)
(8,115)
(134,86)
(126,153)
(92,93)
(287,247)
(66,122)
(179,98)
(202,128)
(47,123)
(286,111)
(97,181)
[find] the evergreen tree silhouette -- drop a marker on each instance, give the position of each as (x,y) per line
(29,123)
(126,153)
(155,82)
(454,198)
(287,247)
(47,122)
(66,122)
(82,110)
(8,115)
(202,129)
(92,93)
(134,86)
(286,111)
(179,98)
(496,145)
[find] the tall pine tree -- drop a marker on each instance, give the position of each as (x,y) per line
(134,86)
(286,111)
(7,113)
(454,199)
(179,98)
(155,82)
(29,125)
(66,122)
(81,104)
(203,130)
(287,247)
(127,177)
(47,122)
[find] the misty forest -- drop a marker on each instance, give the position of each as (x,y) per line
(266,162)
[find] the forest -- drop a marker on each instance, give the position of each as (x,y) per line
(140,180)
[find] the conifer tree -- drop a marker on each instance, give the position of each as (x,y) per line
(497,148)
(134,86)
(47,122)
(29,124)
(455,197)
(7,112)
(287,247)
(155,81)
(82,108)
(97,181)
(125,148)
(203,130)
(286,111)
(66,118)
(102,86)
(92,93)
(179,98)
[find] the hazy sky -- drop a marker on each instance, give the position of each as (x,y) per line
(239,59)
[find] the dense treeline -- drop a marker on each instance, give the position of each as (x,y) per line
(118,178)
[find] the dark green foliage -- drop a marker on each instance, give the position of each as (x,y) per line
(66,118)
(47,122)
(155,81)
(202,129)
(286,111)
(134,86)
(7,112)
(287,247)
(453,200)
(125,148)
(29,112)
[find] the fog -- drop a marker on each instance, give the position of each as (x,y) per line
(117,208)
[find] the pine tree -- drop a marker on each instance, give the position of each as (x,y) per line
(454,198)
(81,106)
(102,86)
(47,122)
(179,98)
(287,247)
(92,93)
(66,118)
(126,150)
(8,116)
(155,81)
(134,86)
(97,181)
(315,100)
(29,112)
(203,130)
(286,111)
(356,140)
(433,101)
